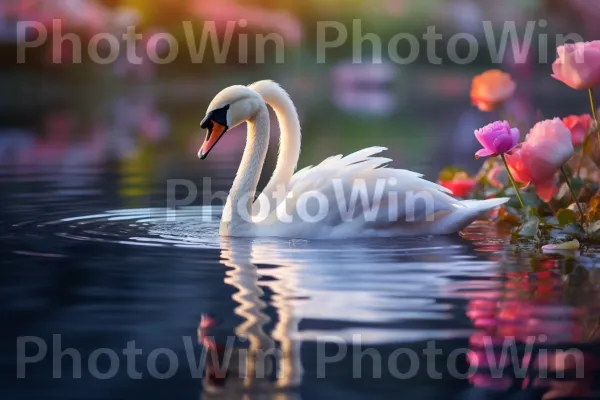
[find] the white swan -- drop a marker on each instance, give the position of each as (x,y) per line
(351,196)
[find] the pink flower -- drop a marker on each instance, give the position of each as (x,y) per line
(497,138)
(491,89)
(460,187)
(579,125)
(578,65)
(545,149)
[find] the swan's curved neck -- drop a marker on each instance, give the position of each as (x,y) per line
(290,134)
(238,206)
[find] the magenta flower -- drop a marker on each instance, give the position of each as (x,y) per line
(497,138)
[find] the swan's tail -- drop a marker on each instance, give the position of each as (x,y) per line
(473,209)
(484,205)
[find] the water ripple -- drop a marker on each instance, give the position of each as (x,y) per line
(388,290)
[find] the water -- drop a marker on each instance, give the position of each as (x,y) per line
(90,253)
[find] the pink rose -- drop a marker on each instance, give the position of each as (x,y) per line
(497,138)
(578,65)
(579,125)
(545,149)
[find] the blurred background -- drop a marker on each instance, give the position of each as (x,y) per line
(82,144)
(142,119)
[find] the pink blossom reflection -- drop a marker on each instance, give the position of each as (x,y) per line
(537,310)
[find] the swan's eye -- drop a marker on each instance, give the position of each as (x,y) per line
(218,116)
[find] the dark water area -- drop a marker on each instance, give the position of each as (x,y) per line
(92,260)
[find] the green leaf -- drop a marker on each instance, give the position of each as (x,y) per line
(566,217)
(577,183)
(530,228)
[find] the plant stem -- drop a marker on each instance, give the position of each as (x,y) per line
(512,180)
(581,156)
(594,112)
(562,169)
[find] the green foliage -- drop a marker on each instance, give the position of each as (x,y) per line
(566,216)
(530,228)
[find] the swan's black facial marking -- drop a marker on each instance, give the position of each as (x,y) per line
(219,116)
(214,122)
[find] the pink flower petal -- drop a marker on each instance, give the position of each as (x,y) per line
(503,143)
(515,135)
(546,190)
(497,137)
(484,153)
(578,65)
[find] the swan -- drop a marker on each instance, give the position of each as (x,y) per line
(342,197)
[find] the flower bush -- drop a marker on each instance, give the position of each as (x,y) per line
(537,160)
(553,173)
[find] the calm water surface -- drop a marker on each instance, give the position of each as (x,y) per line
(89,253)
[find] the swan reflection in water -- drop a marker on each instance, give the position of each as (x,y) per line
(388,292)
(268,355)
(356,284)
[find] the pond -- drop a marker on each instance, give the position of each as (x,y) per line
(108,294)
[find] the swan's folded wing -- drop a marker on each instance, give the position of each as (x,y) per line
(359,192)
(353,166)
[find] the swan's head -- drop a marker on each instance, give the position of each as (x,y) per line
(231,107)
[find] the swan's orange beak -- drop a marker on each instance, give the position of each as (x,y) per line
(214,132)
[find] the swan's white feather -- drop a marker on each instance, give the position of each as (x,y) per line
(353,196)
(334,180)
